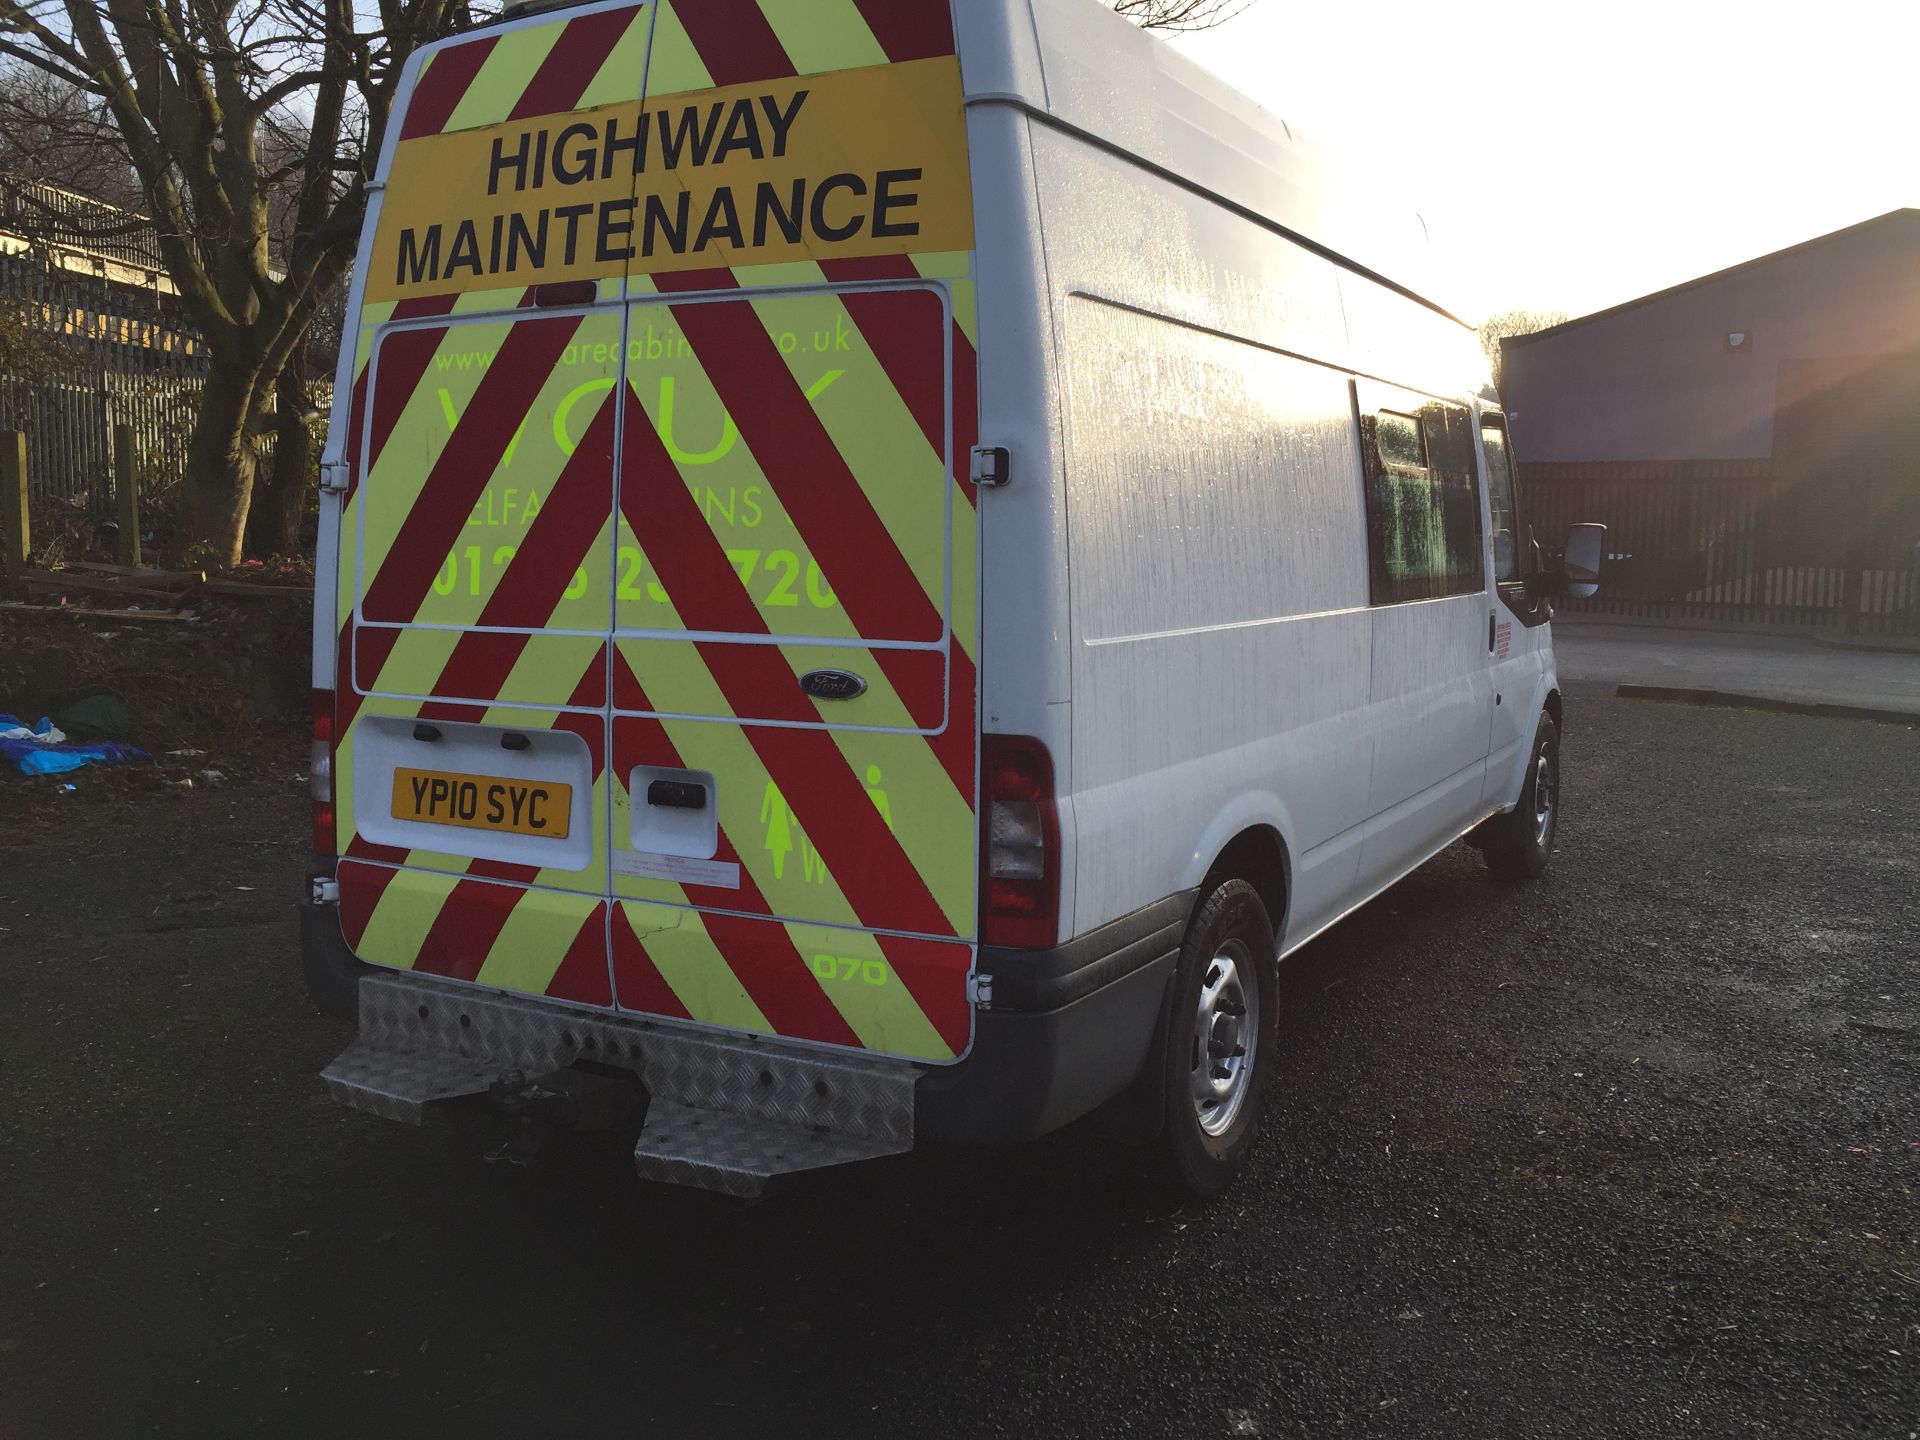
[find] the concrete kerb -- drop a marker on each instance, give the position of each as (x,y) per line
(1725,699)
(1879,645)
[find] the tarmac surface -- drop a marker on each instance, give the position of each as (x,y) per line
(1758,666)
(1633,1151)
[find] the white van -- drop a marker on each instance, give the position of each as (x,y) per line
(882,564)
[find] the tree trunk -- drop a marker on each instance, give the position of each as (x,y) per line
(220,466)
(280,502)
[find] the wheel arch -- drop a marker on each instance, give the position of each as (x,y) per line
(1547,701)
(1250,846)
(1257,854)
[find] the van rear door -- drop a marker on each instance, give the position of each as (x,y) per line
(662,513)
(794,731)
(476,555)
(795,735)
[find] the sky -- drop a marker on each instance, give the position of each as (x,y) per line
(1569,157)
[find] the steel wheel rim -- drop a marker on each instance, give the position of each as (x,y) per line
(1543,798)
(1225,1039)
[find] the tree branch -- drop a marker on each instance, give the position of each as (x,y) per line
(1178,15)
(251,126)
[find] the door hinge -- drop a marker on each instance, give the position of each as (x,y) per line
(992,466)
(335,475)
(980,991)
(326,891)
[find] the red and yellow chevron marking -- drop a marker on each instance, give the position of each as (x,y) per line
(583,61)
(818,820)
(568,63)
(502,936)
(887,994)
(781,488)
(472,627)
(507,926)
(834,500)
(855,475)
(786,871)
(699,44)
(509,439)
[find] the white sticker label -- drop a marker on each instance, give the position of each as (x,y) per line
(681,869)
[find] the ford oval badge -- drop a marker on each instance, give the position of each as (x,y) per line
(833,684)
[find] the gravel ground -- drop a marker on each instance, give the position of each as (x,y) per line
(1630,1152)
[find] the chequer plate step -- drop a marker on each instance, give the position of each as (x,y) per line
(401,1084)
(738,1154)
(726,1112)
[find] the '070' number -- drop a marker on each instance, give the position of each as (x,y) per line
(845,971)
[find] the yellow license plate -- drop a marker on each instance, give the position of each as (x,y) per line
(541,808)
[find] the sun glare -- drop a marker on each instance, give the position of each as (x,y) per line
(1568,163)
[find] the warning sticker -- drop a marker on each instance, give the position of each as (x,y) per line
(714,874)
(854,163)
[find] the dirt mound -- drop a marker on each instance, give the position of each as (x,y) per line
(232,684)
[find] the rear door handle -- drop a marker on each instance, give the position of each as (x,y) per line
(677,795)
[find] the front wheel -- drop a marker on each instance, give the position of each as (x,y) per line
(1220,1041)
(1518,845)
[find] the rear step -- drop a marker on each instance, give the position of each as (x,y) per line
(729,1113)
(741,1154)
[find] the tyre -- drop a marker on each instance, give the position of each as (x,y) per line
(1518,845)
(1221,1038)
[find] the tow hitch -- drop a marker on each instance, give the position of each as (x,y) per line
(537,1109)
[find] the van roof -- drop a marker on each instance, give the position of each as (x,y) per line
(1128,89)
(1079,65)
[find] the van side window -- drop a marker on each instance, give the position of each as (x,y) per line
(1423,503)
(1501,499)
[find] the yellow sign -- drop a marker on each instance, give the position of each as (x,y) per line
(821,167)
(476,802)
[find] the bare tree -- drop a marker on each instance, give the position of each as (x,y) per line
(203,94)
(1180,14)
(280,494)
(1510,323)
(57,133)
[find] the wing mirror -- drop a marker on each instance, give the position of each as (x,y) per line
(1580,561)
(1576,575)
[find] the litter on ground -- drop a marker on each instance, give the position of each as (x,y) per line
(45,749)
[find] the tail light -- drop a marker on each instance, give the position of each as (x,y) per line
(320,770)
(1021,845)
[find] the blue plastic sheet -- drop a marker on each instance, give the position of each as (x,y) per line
(43,750)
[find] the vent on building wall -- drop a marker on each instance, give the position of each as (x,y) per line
(1739,340)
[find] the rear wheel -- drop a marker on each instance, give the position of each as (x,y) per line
(1518,845)
(1220,1042)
